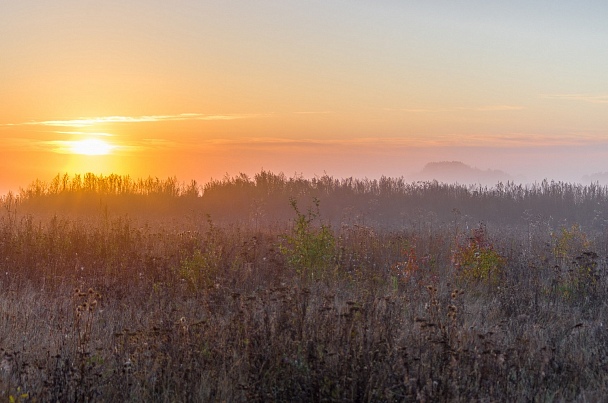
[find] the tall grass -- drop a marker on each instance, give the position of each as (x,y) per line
(113,305)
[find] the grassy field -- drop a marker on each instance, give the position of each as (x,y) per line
(285,289)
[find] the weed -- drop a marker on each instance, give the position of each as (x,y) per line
(405,269)
(308,250)
(477,260)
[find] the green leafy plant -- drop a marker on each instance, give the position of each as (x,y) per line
(568,241)
(477,260)
(20,396)
(577,268)
(309,250)
(201,268)
(582,278)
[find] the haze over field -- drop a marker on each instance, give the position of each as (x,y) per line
(350,88)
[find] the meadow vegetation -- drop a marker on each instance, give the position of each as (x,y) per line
(290,289)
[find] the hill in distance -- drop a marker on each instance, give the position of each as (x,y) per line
(459,172)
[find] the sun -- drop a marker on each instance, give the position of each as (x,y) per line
(91,147)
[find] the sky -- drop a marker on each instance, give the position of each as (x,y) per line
(200,89)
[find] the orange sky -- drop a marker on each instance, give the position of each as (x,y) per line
(350,88)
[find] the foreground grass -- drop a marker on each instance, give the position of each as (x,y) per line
(109,309)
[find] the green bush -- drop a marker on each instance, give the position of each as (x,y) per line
(309,250)
(201,268)
(477,260)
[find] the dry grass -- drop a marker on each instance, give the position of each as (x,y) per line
(113,309)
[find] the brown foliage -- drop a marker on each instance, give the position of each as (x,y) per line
(110,307)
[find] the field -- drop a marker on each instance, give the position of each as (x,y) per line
(290,289)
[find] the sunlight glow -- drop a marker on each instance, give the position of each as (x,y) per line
(91,147)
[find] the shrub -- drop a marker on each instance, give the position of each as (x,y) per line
(201,268)
(309,250)
(477,260)
(568,241)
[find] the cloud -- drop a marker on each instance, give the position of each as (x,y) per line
(55,146)
(155,144)
(358,145)
(417,110)
(506,140)
(594,99)
(86,133)
(486,108)
(531,140)
(58,146)
(13,144)
(496,108)
(91,121)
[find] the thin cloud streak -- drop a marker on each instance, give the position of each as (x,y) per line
(87,133)
(594,99)
(155,144)
(492,108)
(67,146)
(56,146)
(508,140)
(488,108)
(91,121)
(59,146)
